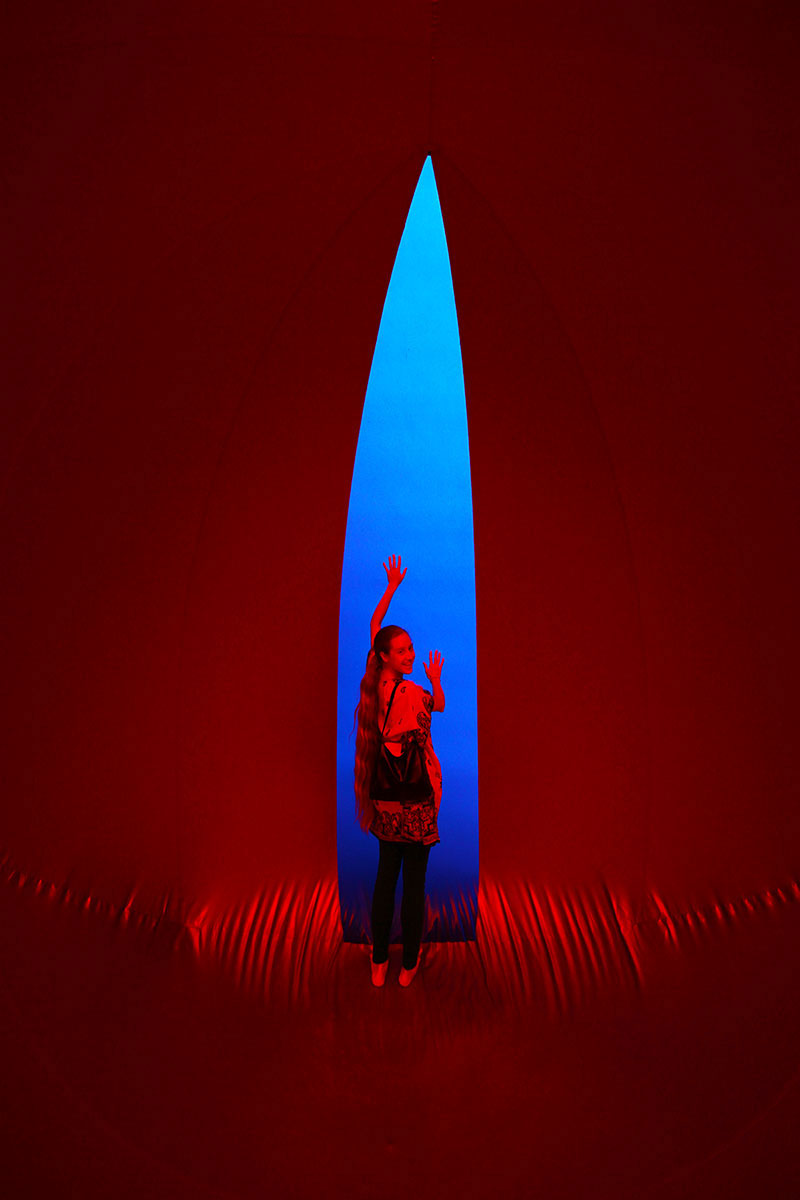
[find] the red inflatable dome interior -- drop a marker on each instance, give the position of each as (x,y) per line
(205,205)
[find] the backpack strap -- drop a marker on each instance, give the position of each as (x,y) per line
(388,709)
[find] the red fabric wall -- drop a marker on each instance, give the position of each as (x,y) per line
(205,207)
(204,203)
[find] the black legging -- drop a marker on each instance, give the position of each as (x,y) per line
(414,858)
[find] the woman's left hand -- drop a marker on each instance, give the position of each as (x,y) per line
(395,574)
(433,667)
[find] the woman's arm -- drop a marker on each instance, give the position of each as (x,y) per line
(395,577)
(433,669)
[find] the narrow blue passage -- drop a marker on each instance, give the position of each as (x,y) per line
(411,495)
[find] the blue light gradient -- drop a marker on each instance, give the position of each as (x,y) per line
(411,495)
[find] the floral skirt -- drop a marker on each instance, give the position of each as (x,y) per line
(406,822)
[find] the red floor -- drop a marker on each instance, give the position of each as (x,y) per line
(135,1067)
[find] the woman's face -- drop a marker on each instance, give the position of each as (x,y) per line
(400,657)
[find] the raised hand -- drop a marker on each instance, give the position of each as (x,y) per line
(393,573)
(433,667)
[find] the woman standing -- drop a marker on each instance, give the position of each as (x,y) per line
(398,780)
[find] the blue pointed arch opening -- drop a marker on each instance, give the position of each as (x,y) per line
(411,495)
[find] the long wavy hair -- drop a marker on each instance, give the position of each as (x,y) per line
(366,713)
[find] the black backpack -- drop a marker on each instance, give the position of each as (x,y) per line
(401,778)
